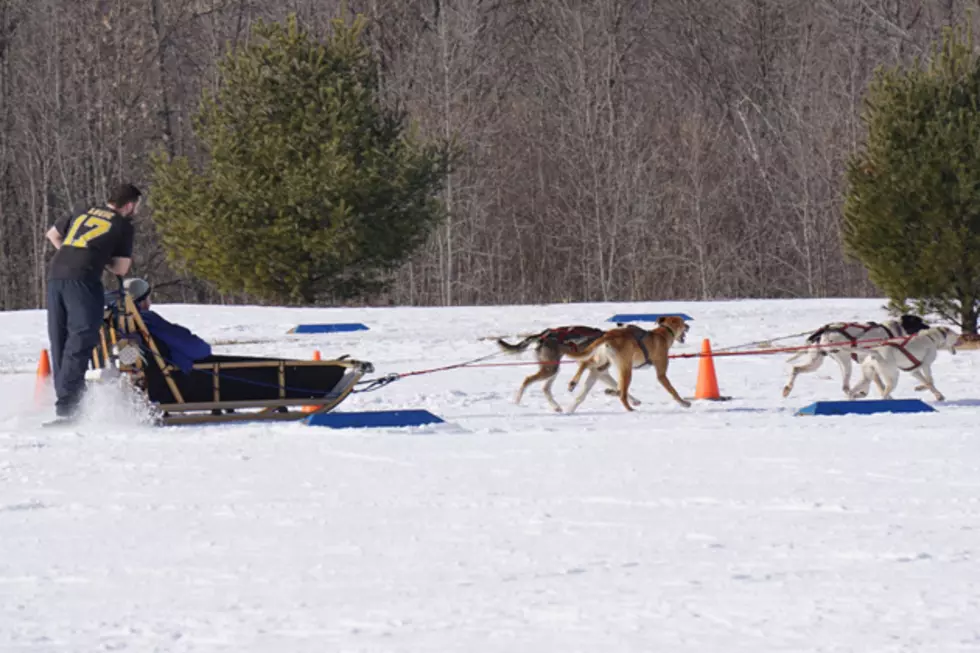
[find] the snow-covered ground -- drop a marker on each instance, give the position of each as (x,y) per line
(730,527)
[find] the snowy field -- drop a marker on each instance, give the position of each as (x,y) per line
(731,527)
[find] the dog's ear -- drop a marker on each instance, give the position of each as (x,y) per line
(662,319)
(913,323)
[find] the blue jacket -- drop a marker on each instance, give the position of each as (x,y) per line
(184,346)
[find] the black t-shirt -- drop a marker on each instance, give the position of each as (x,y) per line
(91,240)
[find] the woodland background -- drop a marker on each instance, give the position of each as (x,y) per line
(613,149)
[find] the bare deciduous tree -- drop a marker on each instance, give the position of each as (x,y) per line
(614,149)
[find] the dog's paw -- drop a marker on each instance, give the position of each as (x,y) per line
(786,391)
(611,392)
(685,403)
(571,386)
(920,388)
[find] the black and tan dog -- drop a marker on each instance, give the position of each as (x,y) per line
(627,348)
(550,346)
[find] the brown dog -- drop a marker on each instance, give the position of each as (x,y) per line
(550,346)
(629,347)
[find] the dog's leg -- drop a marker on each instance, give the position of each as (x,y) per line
(528,380)
(923,386)
(613,388)
(890,376)
(625,378)
(665,382)
(547,372)
(843,359)
(589,382)
(924,374)
(861,389)
(813,362)
(878,381)
(578,374)
(546,389)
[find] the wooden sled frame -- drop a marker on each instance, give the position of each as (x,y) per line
(122,325)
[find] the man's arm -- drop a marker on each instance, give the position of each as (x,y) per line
(122,257)
(55,237)
(56,234)
(119,265)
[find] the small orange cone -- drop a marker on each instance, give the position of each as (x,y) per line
(310,409)
(707,387)
(43,374)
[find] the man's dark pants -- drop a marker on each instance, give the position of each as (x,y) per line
(75,310)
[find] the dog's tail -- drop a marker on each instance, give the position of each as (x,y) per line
(516,348)
(812,339)
(586,351)
(797,355)
(806,351)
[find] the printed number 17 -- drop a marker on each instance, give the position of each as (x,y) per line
(96,227)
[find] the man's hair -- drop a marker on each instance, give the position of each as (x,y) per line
(124,194)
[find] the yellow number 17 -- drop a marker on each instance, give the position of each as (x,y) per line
(96,227)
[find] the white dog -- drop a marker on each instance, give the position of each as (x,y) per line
(854,340)
(913,354)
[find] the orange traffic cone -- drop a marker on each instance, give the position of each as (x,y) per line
(310,409)
(43,374)
(707,387)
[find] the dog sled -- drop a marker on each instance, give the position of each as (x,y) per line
(218,389)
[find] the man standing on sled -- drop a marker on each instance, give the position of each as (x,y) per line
(88,243)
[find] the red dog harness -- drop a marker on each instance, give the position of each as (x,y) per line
(864,329)
(900,346)
(573,337)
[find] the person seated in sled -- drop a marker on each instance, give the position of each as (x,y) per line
(182,349)
(183,346)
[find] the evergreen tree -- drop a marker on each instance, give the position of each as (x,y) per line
(312,187)
(912,208)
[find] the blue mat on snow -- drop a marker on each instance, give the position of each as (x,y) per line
(867,407)
(328,328)
(645,317)
(377,418)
